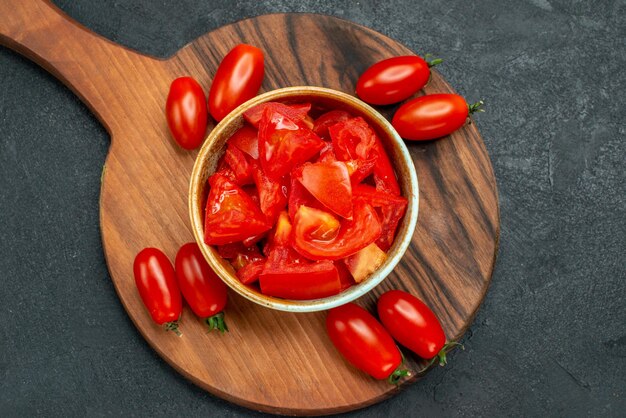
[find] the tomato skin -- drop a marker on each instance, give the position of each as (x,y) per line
(411,323)
(328,119)
(203,290)
(363,341)
(238,79)
(329,183)
(430,117)
(186,112)
(156,281)
(393,80)
(295,112)
(301,281)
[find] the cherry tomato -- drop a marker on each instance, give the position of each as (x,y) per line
(156,281)
(413,325)
(237,80)
(394,79)
(314,238)
(364,343)
(203,290)
(328,182)
(293,111)
(432,116)
(231,214)
(284,143)
(186,112)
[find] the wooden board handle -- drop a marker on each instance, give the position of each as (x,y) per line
(86,62)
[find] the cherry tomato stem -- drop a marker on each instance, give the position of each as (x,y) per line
(173,326)
(216,322)
(432,61)
(441,356)
(476,107)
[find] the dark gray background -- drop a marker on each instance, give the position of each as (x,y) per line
(550,338)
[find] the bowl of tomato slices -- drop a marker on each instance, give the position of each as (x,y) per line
(303,199)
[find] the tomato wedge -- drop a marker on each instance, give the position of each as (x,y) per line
(353,235)
(249,273)
(294,111)
(237,161)
(298,196)
(272,193)
(328,119)
(284,143)
(384,176)
(231,215)
(392,209)
(352,139)
(328,182)
(247,140)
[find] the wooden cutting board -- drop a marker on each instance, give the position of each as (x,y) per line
(272,361)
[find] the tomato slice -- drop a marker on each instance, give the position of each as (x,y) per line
(352,139)
(294,111)
(249,273)
(298,196)
(231,215)
(392,209)
(344,275)
(284,143)
(353,235)
(237,161)
(384,176)
(328,119)
(365,262)
(328,182)
(358,169)
(272,193)
(298,281)
(247,140)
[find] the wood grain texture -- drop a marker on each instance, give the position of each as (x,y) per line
(271,361)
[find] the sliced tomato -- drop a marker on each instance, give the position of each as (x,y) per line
(301,281)
(328,182)
(344,275)
(360,169)
(298,196)
(272,193)
(237,161)
(352,139)
(231,215)
(391,207)
(246,256)
(294,111)
(254,239)
(328,119)
(353,235)
(384,176)
(249,273)
(246,139)
(284,143)
(365,262)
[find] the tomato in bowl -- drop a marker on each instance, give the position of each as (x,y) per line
(230,161)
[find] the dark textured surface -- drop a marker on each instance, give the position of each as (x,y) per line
(551,335)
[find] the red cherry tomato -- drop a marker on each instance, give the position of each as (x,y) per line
(186,112)
(203,290)
(237,80)
(156,281)
(432,116)
(413,325)
(394,79)
(364,342)
(315,237)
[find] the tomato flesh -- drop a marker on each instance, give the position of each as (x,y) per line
(247,140)
(363,341)
(353,235)
(430,117)
(241,167)
(328,182)
(328,119)
(272,193)
(231,215)
(411,323)
(294,111)
(365,262)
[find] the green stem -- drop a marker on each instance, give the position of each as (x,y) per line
(216,322)
(476,107)
(441,356)
(173,326)
(398,375)
(432,61)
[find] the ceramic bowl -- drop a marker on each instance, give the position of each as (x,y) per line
(214,147)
